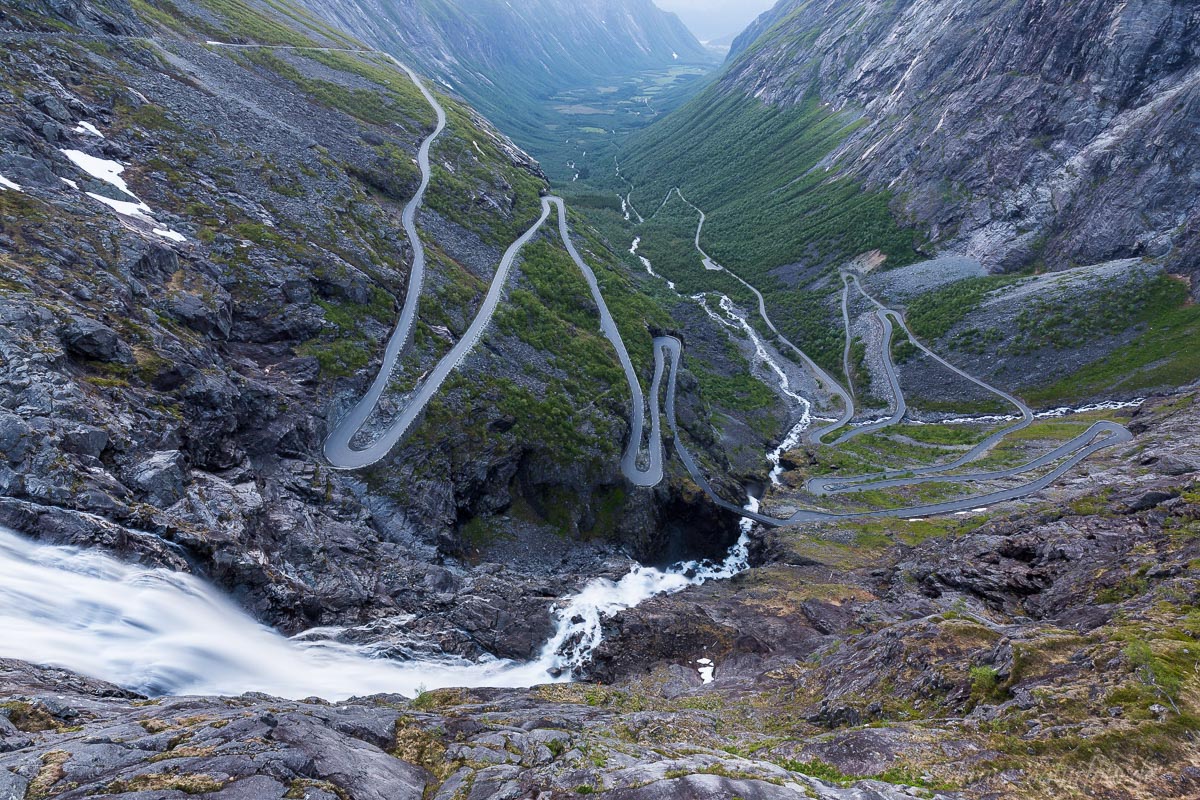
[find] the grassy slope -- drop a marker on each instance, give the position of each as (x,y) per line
(754,169)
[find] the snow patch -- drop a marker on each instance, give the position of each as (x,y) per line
(137,210)
(88,128)
(174,236)
(110,172)
(100,168)
(5,183)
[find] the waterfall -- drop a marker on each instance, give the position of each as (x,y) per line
(161,632)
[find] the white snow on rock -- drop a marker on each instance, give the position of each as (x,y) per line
(101,169)
(110,172)
(88,128)
(166,233)
(706,669)
(5,183)
(137,210)
(70,183)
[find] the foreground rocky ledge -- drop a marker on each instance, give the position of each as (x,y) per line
(70,737)
(1049,648)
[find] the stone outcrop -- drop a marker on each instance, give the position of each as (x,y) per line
(1015,132)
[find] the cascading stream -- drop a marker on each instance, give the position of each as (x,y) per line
(161,632)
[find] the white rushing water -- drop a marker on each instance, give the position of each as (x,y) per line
(579,619)
(163,632)
(734,319)
(633,250)
(1053,413)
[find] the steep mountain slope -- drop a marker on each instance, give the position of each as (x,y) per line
(1023,135)
(201,258)
(508,59)
(1059,131)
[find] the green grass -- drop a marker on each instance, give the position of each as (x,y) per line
(477,167)
(942,434)
(1109,308)
(557,316)
(932,315)
(822,770)
(740,391)
(392,104)
(750,167)
(881,449)
(1165,355)
(340,358)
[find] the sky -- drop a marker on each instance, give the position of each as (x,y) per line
(711,19)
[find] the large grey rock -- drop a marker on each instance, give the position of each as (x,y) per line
(160,477)
(14,437)
(50,105)
(364,770)
(89,339)
(85,441)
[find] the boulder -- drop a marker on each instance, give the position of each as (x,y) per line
(14,437)
(1179,462)
(1148,500)
(50,105)
(89,339)
(157,264)
(160,477)
(85,441)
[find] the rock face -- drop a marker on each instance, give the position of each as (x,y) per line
(1025,132)
(169,370)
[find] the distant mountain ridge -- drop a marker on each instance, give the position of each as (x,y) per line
(1059,132)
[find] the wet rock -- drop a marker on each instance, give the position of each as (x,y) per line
(85,441)
(157,264)
(11,739)
(15,437)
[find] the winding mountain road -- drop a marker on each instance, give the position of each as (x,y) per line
(1099,436)
(642,461)
(899,404)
